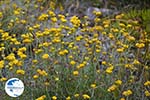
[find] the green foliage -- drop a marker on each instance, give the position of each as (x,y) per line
(142,15)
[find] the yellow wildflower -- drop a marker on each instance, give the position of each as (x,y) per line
(136,62)
(19,63)
(97,13)
(45,56)
(42,72)
(80,65)
(122,24)
(75,73)
(35,76)
(1,64)
(85,96)
(51,13)
(119,16)
(68,98)
(3,79)
(147,93)
(78,38)
(112,88)
(122,99)
(46,44)
(129,25)
(104,63)
(20,71)
(109,70)
(11,57)
(46,83)
(127,93)
(16,12)
(118,82)
(72,62)
(43,17)
(128,66)
(56,78)
(98,71)
(54,19)
(147,83)
(106,22)
(21,55)
(63,52)
(23,49)
(93,85)
(63,20)
(23,21)
(54,98)
(98,28)
(140,45)
(76,95)
(34,61)
(75,21)
(111,36)
(98,50)
(38,51)
(97,20)
(130,38)
(41,97)
(36,26)
(1,14)
(120,50)
(27,41)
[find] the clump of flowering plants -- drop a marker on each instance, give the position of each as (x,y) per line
(59,56)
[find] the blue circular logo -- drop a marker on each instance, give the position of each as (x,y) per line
(14,87)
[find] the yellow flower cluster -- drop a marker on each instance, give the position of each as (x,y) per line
(93,85)
(63,52)
(43,17)
(42,72)
(109,70)
(75,21)
(127,93)
(147,83)
(27,38)
(72,62)
(85,96)
(21,51)
(41,97)
(140,45)
(81,65)
(75,73)
(13,61)
(19,71)
(112,88)
(35,76)
(147,93)
(3,79)
(1,14)
(1,64)
(45,56)
(118,82)
(54,98)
